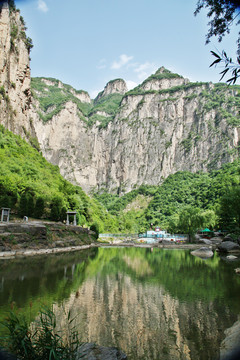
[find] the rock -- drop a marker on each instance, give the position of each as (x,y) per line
(205,241)
(228,246)
(197,238)
(231,342)
(237,270)
(228,238)
(91,351)
(216,240)
(14,74)
(203,252)
(231,257)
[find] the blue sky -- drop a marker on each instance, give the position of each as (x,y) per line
(86,43)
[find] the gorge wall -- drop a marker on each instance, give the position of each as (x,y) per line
(167,124)
(15,79)
(122,139)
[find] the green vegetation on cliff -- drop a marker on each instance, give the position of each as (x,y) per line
(52,96)
(182,194)
(31,186)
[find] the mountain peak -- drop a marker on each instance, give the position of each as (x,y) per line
(116,86)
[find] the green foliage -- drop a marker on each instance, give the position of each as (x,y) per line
(17,33)
(192,218)
(108,104)
(39,207)
(12,6)
(4,95)
(52,98)
(229,209)
(225,102)
(41,341)
(95,227)
(32,186)
(14,32)
(222,16)
(139,91)
(200,192)
(161,74)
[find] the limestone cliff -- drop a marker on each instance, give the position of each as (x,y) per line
(110,312)
(164,125)
(121,139)
(117,86)
(15,92)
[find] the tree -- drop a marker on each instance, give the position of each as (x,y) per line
(58,210)
(190,220)
(95,227)
(229,211)
(223,14)
(31,205)
(23,205)
(39,208)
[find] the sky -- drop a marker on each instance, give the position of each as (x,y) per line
(86,43)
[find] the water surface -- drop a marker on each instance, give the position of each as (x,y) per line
(152,303)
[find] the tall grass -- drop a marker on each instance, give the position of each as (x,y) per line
(40,340)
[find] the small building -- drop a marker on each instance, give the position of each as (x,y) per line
(5,214)
(74,214)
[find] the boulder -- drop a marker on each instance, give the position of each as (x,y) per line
(216,240)
(205,241)
(230,345)
(228,246)
(228,238)
(203,252)
(197,238)
(91,351)
(231,257)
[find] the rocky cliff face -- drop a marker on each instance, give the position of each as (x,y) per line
(111,313)
(165,125)
(117,86)
(15,92)
(121,139)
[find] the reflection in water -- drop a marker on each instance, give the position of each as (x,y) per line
(160,304)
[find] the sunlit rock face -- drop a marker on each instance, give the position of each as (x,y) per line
(145,321)
(15,97)
(154,133)
(164,125)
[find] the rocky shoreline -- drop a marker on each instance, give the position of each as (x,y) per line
(41,238)
(48,250)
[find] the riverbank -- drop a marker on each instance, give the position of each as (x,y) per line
(44,251)
(35,237)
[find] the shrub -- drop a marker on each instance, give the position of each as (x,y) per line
(40,341)
(95,227)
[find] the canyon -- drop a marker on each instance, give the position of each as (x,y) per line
(122,139)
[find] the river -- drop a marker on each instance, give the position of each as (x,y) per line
(151,303)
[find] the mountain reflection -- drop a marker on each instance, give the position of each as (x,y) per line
(159,304)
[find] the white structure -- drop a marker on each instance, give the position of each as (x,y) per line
(5,214)
(72,213)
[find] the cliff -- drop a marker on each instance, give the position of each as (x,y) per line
(121,139)
(15,92)
(164,125)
